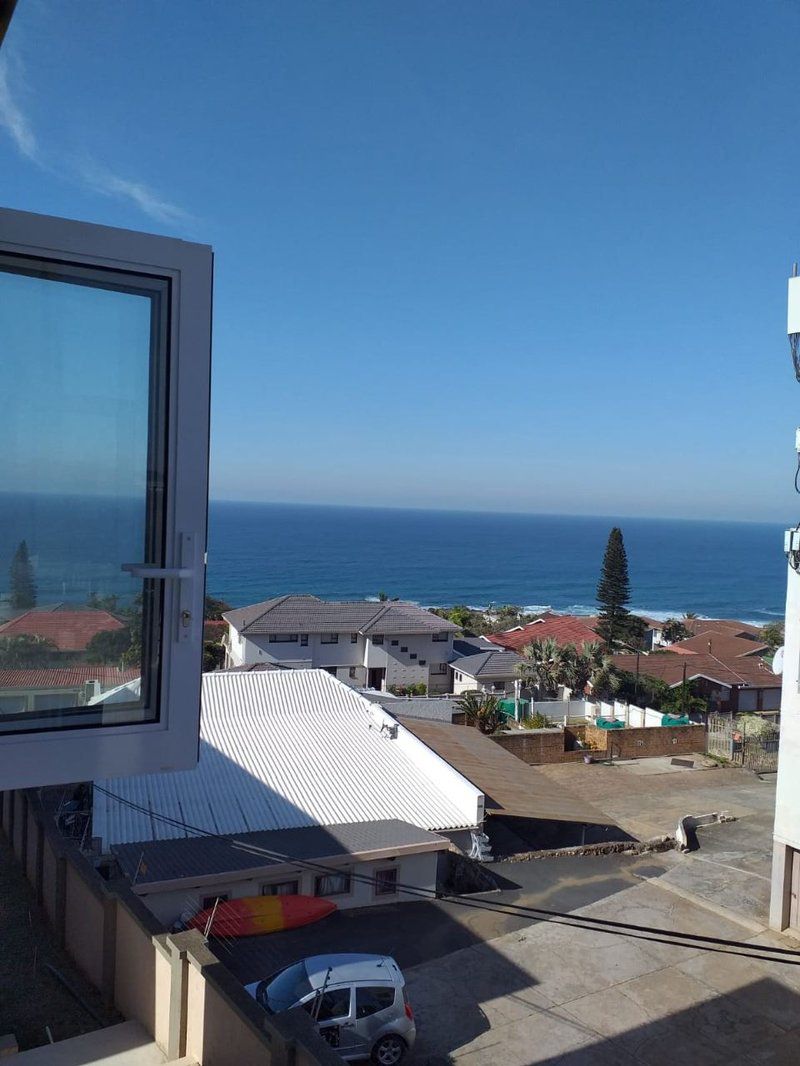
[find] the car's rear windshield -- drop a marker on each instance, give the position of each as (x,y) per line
(285,989)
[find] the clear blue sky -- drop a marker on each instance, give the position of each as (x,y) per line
(515,256)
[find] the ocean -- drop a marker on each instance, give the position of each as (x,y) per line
(256,550)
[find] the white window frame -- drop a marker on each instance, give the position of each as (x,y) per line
(171,743)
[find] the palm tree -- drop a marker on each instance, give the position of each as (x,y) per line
(544,666)
(603,678)
(481,710)
(577,669)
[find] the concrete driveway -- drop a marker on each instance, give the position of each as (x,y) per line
(556,994)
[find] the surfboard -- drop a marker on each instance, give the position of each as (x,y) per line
(252,915)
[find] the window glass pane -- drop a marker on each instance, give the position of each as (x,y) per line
(83,440)
(386,882)
(333,1004)
(371,1000)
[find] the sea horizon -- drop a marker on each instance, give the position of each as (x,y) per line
(434,557)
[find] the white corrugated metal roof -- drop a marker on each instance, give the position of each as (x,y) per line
(280,750)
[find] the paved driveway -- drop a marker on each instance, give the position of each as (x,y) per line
(556,994)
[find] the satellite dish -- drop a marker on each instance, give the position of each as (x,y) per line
(777,662)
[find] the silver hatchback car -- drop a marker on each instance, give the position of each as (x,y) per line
(357,1001)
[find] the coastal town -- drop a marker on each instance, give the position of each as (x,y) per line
(367,764)
(352,708)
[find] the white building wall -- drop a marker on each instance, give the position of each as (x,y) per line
(416,870)
(787,799)
(457,788)
(401,668)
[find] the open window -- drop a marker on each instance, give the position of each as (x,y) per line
(105,344)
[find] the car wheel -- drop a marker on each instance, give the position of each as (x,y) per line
(389,1050)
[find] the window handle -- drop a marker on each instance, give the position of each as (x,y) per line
(190,575)
(153,572)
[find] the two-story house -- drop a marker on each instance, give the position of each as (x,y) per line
(377,645)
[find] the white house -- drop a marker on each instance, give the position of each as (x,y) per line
(486,671)
(378,645)
(300,766)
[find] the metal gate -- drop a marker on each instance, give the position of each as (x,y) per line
(756,751)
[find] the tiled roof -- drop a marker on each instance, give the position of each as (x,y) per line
(564,629)
(511,786)
(65,677)
(283,749)
(309,614)
(69,630)
(175,860)
(721,625)
(722,644)
(500,665)
(666,666)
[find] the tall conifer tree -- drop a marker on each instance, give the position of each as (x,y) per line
(614,590)
(23,587)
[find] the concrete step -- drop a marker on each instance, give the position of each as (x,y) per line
(126,1044)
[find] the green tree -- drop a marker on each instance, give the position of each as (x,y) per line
(481,710)
(772,635)
(26,652)
(214,609)
(675,630)
(23,586)
(103,603)
(614,590)
(682,699)
(213,656)
(108,647)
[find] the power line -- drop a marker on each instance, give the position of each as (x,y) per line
(787,956)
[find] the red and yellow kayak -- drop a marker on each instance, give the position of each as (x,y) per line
(261,914)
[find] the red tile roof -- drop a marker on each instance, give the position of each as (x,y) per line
(564,629)
(722,644)
(750,671)
(69,630)
(721,625)
(66,677)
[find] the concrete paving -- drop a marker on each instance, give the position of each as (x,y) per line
(554,993)
(126,1044)
(647,797)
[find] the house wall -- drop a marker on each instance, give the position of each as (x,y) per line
(467,683)
(362,654)
(787,797)
(417,870)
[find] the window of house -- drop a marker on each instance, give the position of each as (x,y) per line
(304,640)
(441,668)
(395,643)
(209,901)
(386,881)
(104,438)
(378,638)
(333,1004)
(371,1000)
(353,673)
(329,638)
(441,636)
(403,647)
(281,888)
(283,638)
(413,655)
(330,670)
(423,662)
(354,638)
(333,884)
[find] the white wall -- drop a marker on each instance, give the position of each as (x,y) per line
(400,668)
(787,799)
(417,870)
(456,787)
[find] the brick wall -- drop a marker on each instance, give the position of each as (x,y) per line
(638,743)
(537,746)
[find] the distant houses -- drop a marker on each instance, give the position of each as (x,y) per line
(384,646)
(564,629)
(69,629)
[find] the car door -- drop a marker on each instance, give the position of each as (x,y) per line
(374,1010)
(333,1013)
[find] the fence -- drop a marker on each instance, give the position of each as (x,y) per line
(729,741)
(171,983)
